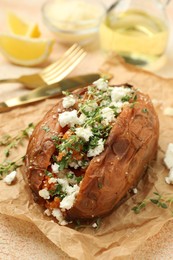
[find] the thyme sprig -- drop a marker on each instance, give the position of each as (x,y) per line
(11,142)
(9,166)
(160,200)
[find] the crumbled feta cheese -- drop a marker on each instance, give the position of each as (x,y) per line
(68,201)
(72,191)
(135,191)
(30,131)
(97,150)
(168,111)
(119,105)
(108,115)
(10,177)
(101,84)
(68,101)
(168,160)
(65,186)
(74,165)
(82,119)
(55,168)
(104,103)
(52,180)
(94,225)
(47,212)
(59,216)
(44,193)
(169,178)
(84,133)
(68,118)
(118,93)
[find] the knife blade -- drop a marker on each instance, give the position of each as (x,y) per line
(49,91)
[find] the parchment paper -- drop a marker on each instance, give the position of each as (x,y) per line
(122,231)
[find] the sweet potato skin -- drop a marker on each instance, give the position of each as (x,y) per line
(129,149)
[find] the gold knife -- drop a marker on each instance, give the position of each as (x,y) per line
(49,91)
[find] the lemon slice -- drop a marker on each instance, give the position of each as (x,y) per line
(19,27)
(25,51)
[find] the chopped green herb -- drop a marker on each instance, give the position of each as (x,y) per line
(78,179)
(46,128)
(54,158)
(47,173)
(55,138)
(132,105)
(126,98)
(145,110)
(66,93)
(94,142)
(58,192)
(70,175)
(100,185)
(135,97)
(63,164)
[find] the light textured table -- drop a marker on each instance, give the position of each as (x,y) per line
(21,240)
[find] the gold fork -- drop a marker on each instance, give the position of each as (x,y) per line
(54,72)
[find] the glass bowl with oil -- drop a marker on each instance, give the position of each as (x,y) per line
(137,31)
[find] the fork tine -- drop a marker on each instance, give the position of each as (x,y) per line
(58,65)
(64,64)
(49,68)
(60,74)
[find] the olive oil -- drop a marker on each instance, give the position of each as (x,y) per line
(135,35)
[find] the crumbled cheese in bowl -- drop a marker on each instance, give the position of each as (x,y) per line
(85,130)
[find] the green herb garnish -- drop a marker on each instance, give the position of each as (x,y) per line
(46,128)
(145,110)
(58,192)
(9,166)
(161,201)
(12,142)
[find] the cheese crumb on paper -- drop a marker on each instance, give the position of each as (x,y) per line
(10,178)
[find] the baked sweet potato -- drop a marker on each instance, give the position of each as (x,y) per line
(83,163)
